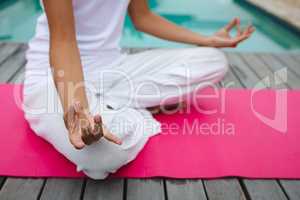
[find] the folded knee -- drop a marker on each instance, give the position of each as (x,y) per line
(217,58)
(206,64)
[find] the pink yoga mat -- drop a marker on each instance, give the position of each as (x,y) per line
(237,139)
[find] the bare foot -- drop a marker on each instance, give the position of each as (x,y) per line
(167,108)
(154,110)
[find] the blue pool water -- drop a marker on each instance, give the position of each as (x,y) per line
(17,21)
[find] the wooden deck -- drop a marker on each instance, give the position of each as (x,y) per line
(246,70)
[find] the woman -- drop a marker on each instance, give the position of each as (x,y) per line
(93,106)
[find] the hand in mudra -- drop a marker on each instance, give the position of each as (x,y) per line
(84,129)
(222,38)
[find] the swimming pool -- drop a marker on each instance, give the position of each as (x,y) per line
(205,16)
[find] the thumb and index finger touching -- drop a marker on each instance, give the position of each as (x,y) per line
(241,34)
(97,128)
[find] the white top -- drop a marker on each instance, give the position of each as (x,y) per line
(99,25)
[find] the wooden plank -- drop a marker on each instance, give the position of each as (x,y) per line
(264,189)
(262,70)
(10,66)
(185,189)
(2,44)
(110,189)
(220,189)
(291,188)
(19,76)
(289,61)
(296,57)
(146,189)
(275,65)
(230,80)
(242,71)
(21,188)
(62,189)
(7,49)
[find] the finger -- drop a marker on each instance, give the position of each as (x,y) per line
(249,30)
(75,136)
(112,138)
(95,133)
(84,123)
(86,137)
(97,119)
(231,24)
(90,135)
(98,132)
(84,133)
(91,124)
(89,132)
(238,24)
(225,42)
(78,108)
(74,125)
(69,117)
(77,141)
(239,39)
(246,33)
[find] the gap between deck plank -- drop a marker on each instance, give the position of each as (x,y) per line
(289,61)
(10,66)
(263,71)
(7,49)
(275,65)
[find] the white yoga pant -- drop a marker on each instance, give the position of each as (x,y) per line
(129,86)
